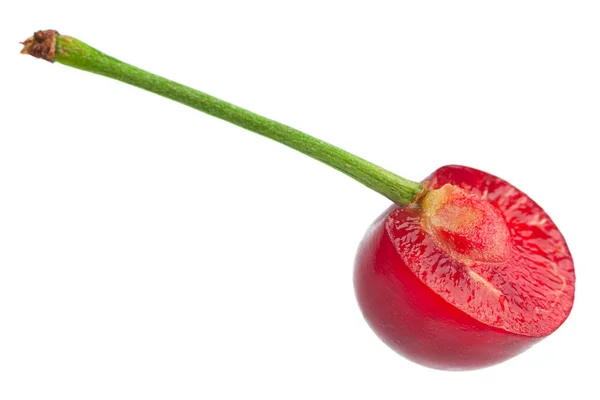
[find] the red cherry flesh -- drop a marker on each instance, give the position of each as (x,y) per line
(467,277)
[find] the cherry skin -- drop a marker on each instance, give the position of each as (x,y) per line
(470,275)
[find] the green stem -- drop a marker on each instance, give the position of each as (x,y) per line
(72,52)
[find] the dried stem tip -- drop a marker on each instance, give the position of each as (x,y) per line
(41,45)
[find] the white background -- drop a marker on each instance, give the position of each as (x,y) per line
(148,251)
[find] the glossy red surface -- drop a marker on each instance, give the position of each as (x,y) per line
(455,313)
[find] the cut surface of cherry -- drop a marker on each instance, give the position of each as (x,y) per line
(454,297)
(462,272)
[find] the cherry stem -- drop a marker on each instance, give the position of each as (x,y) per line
(52,46)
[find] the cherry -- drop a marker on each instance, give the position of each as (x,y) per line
(463,271)
(469,276)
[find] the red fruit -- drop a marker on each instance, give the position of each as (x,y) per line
(469,276)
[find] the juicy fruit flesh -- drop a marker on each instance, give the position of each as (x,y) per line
(526,288)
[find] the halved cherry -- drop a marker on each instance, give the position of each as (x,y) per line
(469,276)
(463,275)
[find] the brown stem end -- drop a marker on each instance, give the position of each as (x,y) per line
(424,189)
(41,45)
